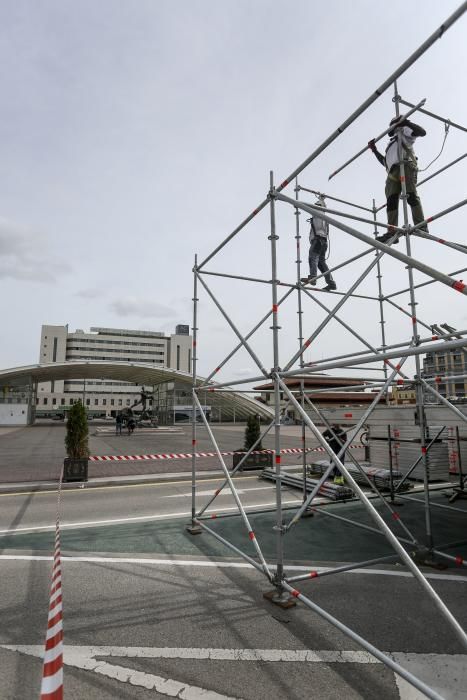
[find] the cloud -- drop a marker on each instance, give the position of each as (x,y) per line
(24,256)
(143,308)
(90,293)
(243,372)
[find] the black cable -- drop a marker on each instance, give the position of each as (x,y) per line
(446,130)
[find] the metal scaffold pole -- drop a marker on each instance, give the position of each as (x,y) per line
(288,384)
(300,333)
(403,166)
(379,277)
(193,528)
(279,595)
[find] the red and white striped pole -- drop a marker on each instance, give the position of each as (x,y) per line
(52,671)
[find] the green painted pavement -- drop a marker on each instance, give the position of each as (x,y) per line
(317,539)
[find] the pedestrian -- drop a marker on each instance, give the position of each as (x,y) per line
(131,425)
(408,133)
(118,424)
(319,237)
(335,442)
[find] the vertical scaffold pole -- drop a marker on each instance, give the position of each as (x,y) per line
(420,396)
(280,596)
(382,322)
(300,333)
(194,528)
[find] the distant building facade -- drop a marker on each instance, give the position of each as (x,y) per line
(401,395)
(319,389)
(444,364)
(104,397)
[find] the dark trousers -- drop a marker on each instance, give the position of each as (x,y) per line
(317,258)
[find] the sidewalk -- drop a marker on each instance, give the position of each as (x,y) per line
(33,457)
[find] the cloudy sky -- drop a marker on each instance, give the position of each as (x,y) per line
(137,133)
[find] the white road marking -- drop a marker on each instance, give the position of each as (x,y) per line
(445,673)
(136,518)
(225,492)
(453,578)
(81,657)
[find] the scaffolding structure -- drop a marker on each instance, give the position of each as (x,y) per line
(391,358)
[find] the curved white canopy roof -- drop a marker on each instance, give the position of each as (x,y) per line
(137,373)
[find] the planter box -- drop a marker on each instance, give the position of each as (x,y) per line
(75,469)
(254,461)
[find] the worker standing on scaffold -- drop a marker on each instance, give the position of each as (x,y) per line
(335,437)
(409,132)
(319,236)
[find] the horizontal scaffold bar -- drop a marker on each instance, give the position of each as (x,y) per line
(412,262)
(434,116)
(418,350)
(437,34)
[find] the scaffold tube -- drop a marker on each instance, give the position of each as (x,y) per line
(437,34)
(407,259)
(376,517)
(374,651)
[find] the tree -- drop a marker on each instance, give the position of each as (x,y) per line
(77,434)
(252,433)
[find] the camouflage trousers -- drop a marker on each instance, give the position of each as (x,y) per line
(393,191)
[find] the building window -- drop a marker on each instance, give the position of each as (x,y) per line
(104,402)
(54,402)
(54,355)
(88,402)
(112,402)
(62,401)
(72,402)
(119,402)
(45,400)
(37,401)
(96,402)
(178,356)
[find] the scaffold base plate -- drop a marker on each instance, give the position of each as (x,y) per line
(194,529)
(282,599)
(424,557)
(458,493)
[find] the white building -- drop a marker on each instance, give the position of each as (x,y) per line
(112,344)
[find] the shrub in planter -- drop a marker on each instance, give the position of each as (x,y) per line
(75,466)
(252,433)
(253,461)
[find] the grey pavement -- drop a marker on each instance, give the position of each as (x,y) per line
(35,453)
(195,611)
(151,611)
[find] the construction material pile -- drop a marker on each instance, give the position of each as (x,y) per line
(334,492)
(380,477)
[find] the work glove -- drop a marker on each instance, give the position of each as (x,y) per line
(372,145)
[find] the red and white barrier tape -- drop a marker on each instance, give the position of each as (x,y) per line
(52,670)
(189,455)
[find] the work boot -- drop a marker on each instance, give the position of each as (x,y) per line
(308,280)
(339,480)
(386,237)
(330,287)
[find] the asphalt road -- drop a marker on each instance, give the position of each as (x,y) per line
(183,616)
(35,509)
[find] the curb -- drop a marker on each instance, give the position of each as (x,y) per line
(99,482)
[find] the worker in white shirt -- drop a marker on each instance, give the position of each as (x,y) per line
(319,236)
(409,132)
